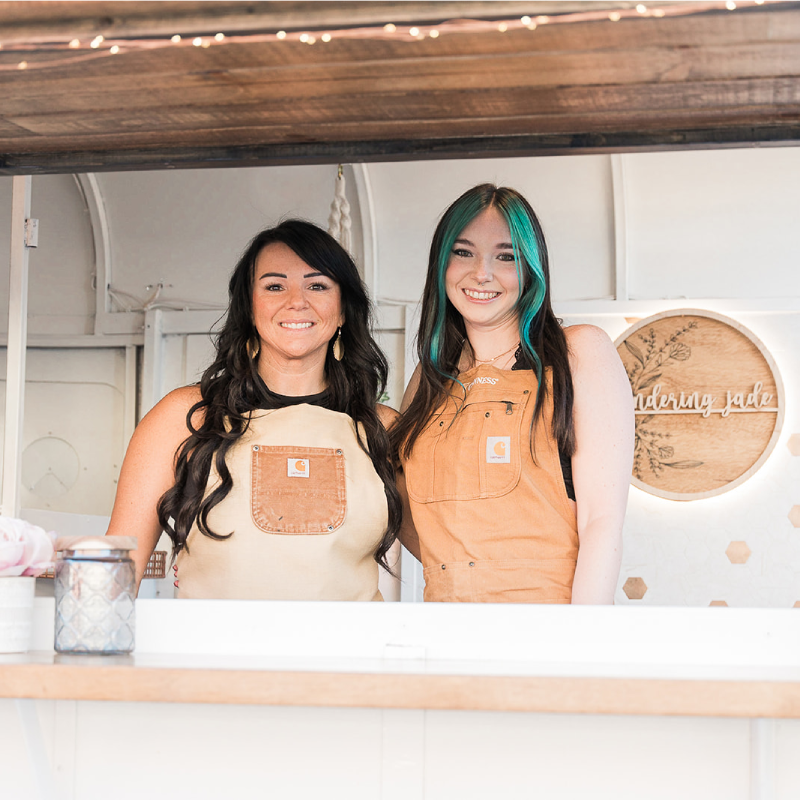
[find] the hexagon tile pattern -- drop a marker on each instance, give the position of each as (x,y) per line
(794,516)
(718,603)
(794,444)
(738,552)
(634,588)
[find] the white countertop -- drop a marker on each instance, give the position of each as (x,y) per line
(715,662)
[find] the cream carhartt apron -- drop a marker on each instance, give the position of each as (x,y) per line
(493,517)
(307,511)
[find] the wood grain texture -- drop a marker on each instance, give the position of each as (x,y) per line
(165,17)
(712,79)
(709,403)
(571,695)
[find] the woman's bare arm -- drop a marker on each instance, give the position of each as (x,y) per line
(601,465)
(148,471)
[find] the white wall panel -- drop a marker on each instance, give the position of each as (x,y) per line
(61,298)
(73,440)
(714,223)
(572,197)
(247,751)
(188,229)
(574,757)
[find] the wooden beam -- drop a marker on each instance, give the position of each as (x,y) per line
(718,79)
(61,21)
(332,152)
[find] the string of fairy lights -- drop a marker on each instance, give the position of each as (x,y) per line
(76,50)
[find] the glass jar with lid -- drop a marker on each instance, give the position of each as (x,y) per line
(95,590)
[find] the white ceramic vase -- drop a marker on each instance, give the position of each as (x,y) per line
(16,613)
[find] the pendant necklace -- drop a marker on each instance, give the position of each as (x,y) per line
(492,360)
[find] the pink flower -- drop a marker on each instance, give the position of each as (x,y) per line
(25,549)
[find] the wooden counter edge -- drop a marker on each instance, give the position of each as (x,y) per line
(571,695)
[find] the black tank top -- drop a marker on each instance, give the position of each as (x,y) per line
(272,400)
(521,363)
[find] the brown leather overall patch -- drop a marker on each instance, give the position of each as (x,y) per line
(297,490)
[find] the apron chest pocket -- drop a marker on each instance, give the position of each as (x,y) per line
(474,454)
(297,490)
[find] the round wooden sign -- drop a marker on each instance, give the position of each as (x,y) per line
(708,400)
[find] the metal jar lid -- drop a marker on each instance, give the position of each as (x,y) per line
(89,543)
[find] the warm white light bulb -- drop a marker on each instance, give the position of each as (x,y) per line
(22,65)
(219,36)
(326,37)
(390,27)
(281,34)
(730,5)
(176,38)
(311,39)
(502,27)
(75,43)
(434,34)
(413,31)
(642,9)
(615,16)
(303,37)
(526,20)
(114,49)
(197,41)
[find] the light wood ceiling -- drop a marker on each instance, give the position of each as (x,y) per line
(574,84)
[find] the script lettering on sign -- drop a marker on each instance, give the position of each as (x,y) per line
(708,402)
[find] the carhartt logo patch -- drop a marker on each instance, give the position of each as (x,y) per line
(498,449)
(297,467)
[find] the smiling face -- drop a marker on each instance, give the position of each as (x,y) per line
(481,278)
(296,310)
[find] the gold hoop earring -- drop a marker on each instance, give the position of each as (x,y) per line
(338,347)
(253,348)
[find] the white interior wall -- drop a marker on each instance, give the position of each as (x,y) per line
(61,298)
(73,440)
(572,197)
(714,227)
(188,229)
(714,224)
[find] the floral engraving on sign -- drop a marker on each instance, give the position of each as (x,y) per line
(651,448)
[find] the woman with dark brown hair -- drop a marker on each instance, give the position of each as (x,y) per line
(516,437)
(273,476)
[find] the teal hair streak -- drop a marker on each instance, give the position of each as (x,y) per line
(459,216)
(526,254)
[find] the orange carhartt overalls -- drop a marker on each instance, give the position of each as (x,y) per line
(488,498)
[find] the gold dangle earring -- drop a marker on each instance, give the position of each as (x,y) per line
(253,348)
(338,347)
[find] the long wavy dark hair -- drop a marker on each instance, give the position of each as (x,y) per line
(230,387)
(442,333)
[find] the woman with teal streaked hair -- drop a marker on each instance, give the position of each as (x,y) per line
(516,437)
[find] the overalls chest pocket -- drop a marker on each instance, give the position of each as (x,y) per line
(471,454)
(297,490)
